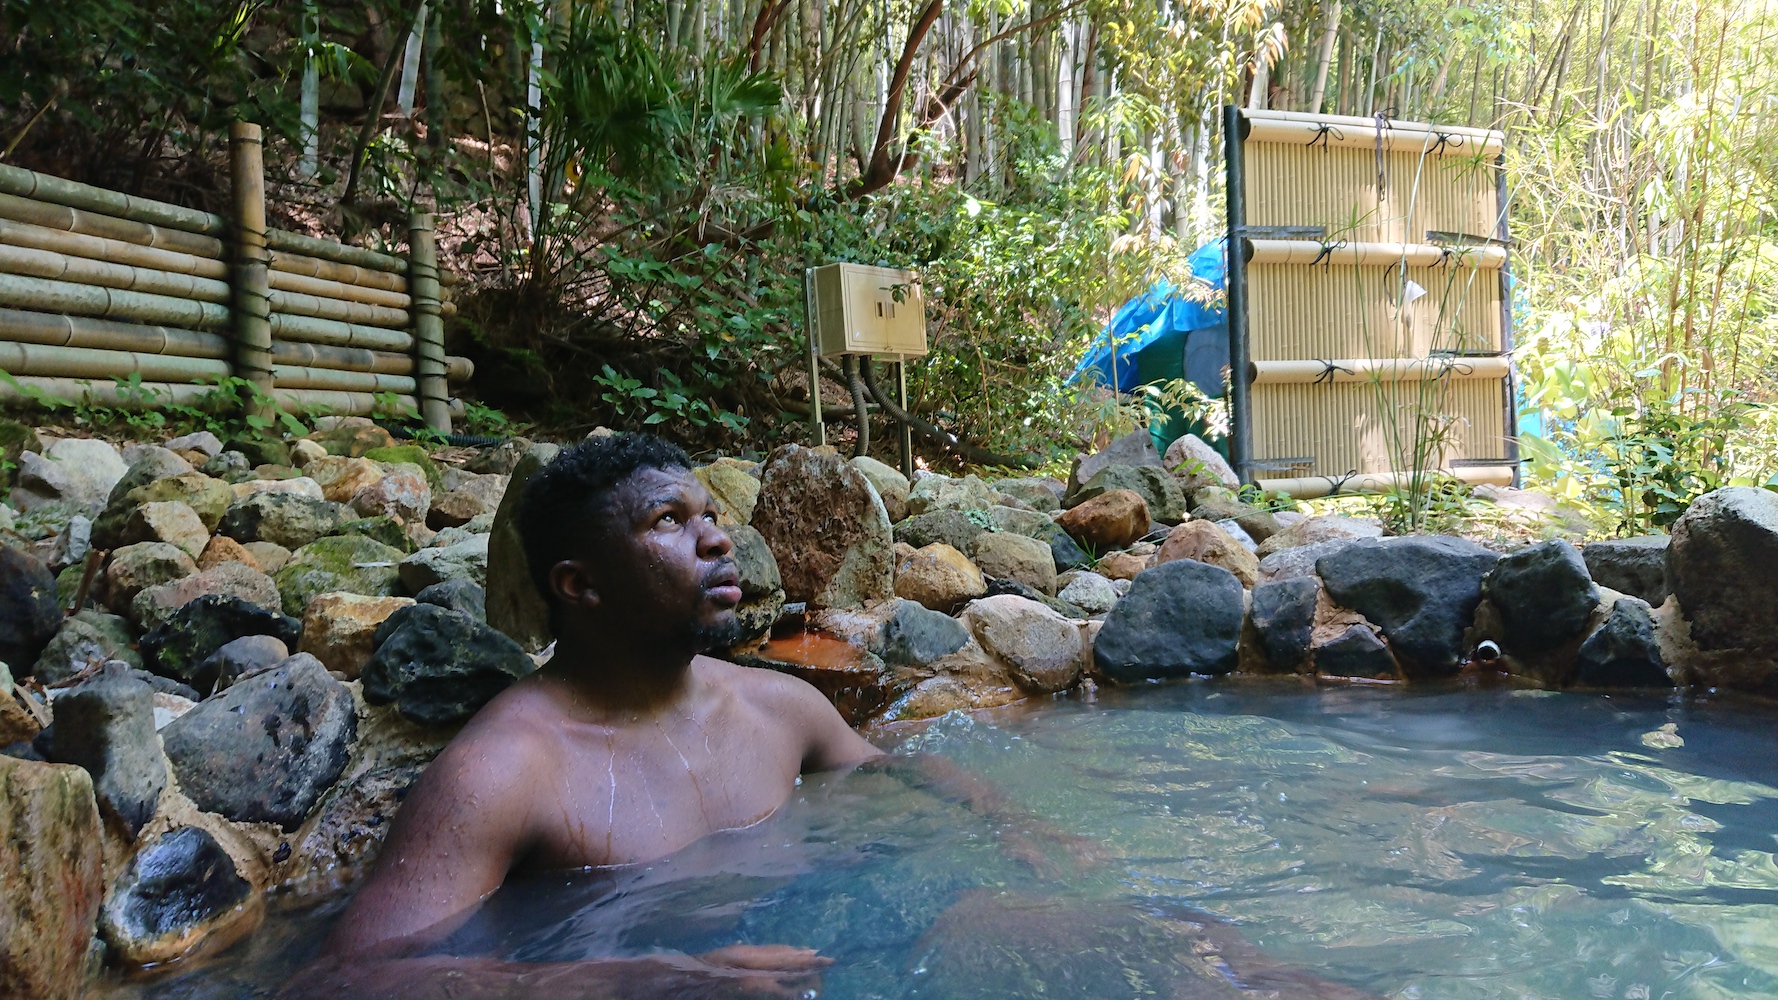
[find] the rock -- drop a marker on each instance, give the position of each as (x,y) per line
(1042,650)
(350,563)
(734,491)
(929,699)
(1543,595)
(1422,591)
(1623,652)
(260,450)
(1017,521)
(243,657)
(203,441)
(221,549)
(1283,617)
(85,640)
(1196,464)
(915,636)
(827,528)
(1043,495)
(106,725)
(1090,592)
(857,682)
(501,459)
(340,477)
(16,439)
(30,614)
(1179,618)
(1121,566)
(1208,543)
(147,465)
(171,522)
(1634,566)
(337,629)
(1288,564)
(514,605)
(939,577)
(1064,550)
(472,600)
(1355,652)
(352,440)
(998,586)
(439,666)
(265,750)
(1135,448)
(1108,521)
(154,605)
(292,485)
(179,897)
(1166,502)
(1326,528)
(388,530)
(226,465)
(454,508)
(191,633)
(51,879)
(1220,508)
(288,519)
(1252,529)
(73,543)
(466,560)
(944,493)
(762,589)
(81,471)
(335,848)
(890,484)
(303,451)
(270,556)
(1016,557)
(953,527)
(135,568)
(402,494)
(408,454)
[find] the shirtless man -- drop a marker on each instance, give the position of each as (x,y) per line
(627,746)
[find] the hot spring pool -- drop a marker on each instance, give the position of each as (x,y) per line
(1414,844)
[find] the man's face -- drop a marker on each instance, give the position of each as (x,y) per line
(665,566)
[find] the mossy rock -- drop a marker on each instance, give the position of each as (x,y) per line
(350,563)
(261,451)
(15,440)
(383,529)
(209,497)
(353,441)
(409,454)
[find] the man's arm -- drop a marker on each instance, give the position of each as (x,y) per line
(829,743)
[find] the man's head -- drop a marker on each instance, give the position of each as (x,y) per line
(618,530)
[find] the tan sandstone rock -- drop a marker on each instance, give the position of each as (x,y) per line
(222,548)
(1009,556)
(1110,520)
(51,878)
(939,577)
(168,521)
(337,628)
(1207,543)
(1042,650)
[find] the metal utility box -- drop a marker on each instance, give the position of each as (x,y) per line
(859,309)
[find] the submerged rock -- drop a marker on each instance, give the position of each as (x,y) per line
(178,896)
(1634,566)
(438,666)
(1355,652)
(51,879)
(827,527)
(1179,618)
(1422,591)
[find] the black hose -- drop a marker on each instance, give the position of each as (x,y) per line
(951,442)
(454,440)
(850,364)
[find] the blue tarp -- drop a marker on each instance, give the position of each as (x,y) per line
(1162,319)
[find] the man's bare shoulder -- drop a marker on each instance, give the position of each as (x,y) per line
(514,734)
(758,687)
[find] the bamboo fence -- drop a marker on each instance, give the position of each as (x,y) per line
(98,286)
(1379,347)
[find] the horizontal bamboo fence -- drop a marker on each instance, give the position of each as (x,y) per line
(1384,345)
(96,285)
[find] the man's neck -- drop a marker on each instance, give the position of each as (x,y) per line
(618,673)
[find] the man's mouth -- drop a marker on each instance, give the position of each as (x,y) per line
(724,585)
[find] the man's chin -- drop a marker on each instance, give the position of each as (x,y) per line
(719,633)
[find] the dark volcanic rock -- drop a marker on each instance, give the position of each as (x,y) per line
(243,657)
(336,847)
(916,636)
(1544,595)
(457,595)
(1720,566)
(106,725)
(439,666)
(1179,618)
(1283,614)
(1634,566)
(1356,652)
(1065,550)
(264,750)
(88,638)
(29,614)
(181,648)
(180,892)
(1422,591)
(1623,652)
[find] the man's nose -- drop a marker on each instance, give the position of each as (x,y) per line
(715,543)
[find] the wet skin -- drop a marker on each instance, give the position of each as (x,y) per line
(624,748)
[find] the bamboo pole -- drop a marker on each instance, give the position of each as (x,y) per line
(1345,370)
(74,220)
(301,377)
(85,271)
(43,187)
(434,390)
(1310,487)
(284,281)
(1489,258)
(1370,122)
(57,330)
(349,404)
(298,304)
(48,295)
(1432,140)
(86,362)
(252,305)
(346,274)
(339,253)
(311,330)
(357,359)
(24,234)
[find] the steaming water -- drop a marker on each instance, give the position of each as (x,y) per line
(1456,844)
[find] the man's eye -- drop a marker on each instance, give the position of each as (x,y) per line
(710,517)
(669,519)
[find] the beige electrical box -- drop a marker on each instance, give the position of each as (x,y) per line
(859,309)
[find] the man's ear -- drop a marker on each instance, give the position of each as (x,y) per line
(572,584)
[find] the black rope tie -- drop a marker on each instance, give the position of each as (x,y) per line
(1382,119)
(1337,483)
(1326,254)
(1444,140)
(1323,132)
(1328,368)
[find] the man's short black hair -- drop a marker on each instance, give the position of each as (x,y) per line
(564,506)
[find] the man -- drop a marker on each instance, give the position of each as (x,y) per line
(627,746)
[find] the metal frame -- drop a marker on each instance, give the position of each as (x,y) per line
(1510,386)
(1240,399)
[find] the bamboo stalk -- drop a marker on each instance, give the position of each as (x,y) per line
(1370,122)
(74,220)
(252,298)
(429,352)
(47,295)
(301,377)
(299,304)
(87,362)
(24,234)
(1380,369)
(353,404)
(43,187)
(282,281)
(85,271)
(1491,258)
(347,274)
(1310,487)
(58,330)
(358,359)
(1432,140)
(310,330)
(339,253)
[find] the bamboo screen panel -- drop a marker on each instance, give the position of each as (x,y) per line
(1351,306)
